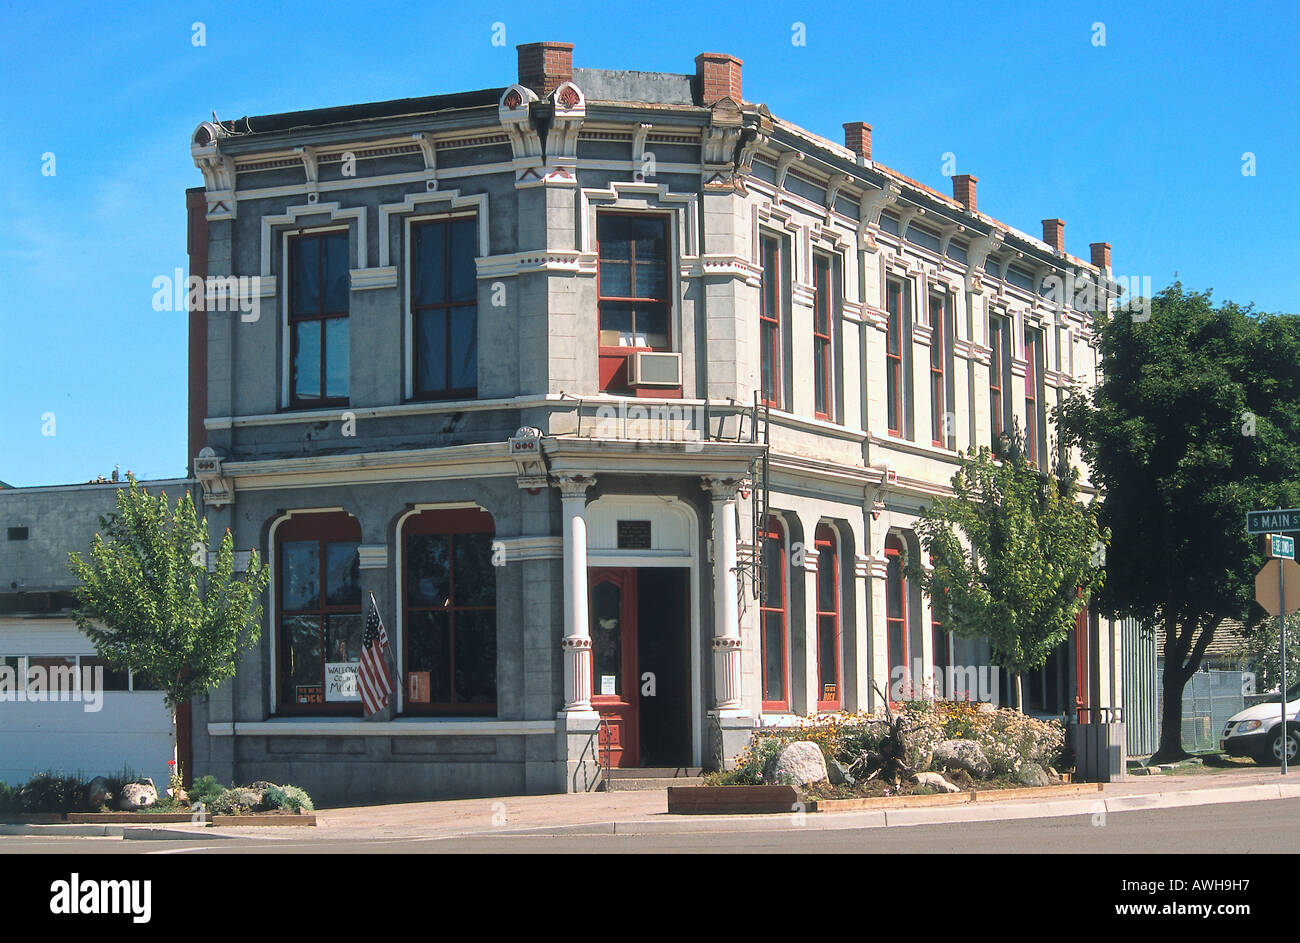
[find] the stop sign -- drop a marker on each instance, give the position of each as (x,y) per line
(1266,586)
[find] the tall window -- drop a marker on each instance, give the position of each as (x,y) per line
(444,307)
(318,601)
(771,317)
(897,306)
(939,644)
(449,604)
(999,375)
(1033,400)
(823,346)
(829,696)
(940,347)
(635,301)
(896,617)
(319,292)
(772,614)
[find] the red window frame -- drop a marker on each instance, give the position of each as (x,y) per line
(996,409)
(449,523)
(939,643)
(613,360)
(895,302)
(938,368)
(1031,395)
(774,531)
(771,318)
(823,341)
(894,574)
(334,527)
(828,620)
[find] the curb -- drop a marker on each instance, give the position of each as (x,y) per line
(127,832)
(896,818)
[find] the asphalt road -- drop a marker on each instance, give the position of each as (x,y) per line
(1243,828)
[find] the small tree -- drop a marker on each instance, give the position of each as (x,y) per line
(1015,555)
(149,604)
(1261,653)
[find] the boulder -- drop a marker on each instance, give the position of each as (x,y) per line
(98,792)
(798,764)
(1031,774)
(839,774)
(137,796)
(964,755)
(935,781)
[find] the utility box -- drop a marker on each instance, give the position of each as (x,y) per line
(1100,745)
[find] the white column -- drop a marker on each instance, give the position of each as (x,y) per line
(577,634)
(726,618)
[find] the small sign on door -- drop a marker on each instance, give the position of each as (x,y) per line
(609,684)
(417,687)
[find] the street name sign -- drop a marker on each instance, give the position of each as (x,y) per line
(1268,522)
(1283,548)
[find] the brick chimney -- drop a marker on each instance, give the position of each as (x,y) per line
(544,66)
(1054,234)
(963,190)
(857,138)
(1100,255)
(719,77)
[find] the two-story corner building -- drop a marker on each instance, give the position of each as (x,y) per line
(621,395)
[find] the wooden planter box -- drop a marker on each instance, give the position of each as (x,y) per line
(304,818)
(732,800)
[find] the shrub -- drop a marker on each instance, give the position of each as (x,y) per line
(236,800)
(10,800)
(46,792)
(205,789)
(290,798)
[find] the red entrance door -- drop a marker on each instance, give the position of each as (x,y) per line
(613,662)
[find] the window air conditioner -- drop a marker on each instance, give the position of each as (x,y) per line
(654,368)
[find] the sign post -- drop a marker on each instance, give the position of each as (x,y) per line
(1281,549)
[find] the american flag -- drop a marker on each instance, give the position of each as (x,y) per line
(373,682)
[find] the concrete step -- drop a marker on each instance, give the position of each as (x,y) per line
(656,772)
(625,784)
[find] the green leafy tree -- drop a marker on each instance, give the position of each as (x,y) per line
(1261,653)
(149,604)
(1194,422)
(1015,555)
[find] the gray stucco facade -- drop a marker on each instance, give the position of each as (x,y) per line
(583,478)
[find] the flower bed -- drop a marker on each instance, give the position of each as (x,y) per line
(1016,750)
(125,798)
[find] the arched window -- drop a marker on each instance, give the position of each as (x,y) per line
(449,625)
(772,615)
(896,591)
(828,620)
(318,611)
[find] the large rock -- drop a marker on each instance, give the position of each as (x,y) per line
(137,796)
(98,792)
(798,764)
(839,774)
(935,781)
(966,755)
(1031,774)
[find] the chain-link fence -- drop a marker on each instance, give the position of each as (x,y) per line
(1210,698)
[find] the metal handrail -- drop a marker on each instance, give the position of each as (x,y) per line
(607,766)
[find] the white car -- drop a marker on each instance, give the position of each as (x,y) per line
(1257,731)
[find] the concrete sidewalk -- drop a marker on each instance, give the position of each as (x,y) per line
(645,812)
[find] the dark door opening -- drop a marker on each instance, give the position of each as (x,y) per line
(664,666)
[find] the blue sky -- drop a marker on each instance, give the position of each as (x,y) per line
(1138,143)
